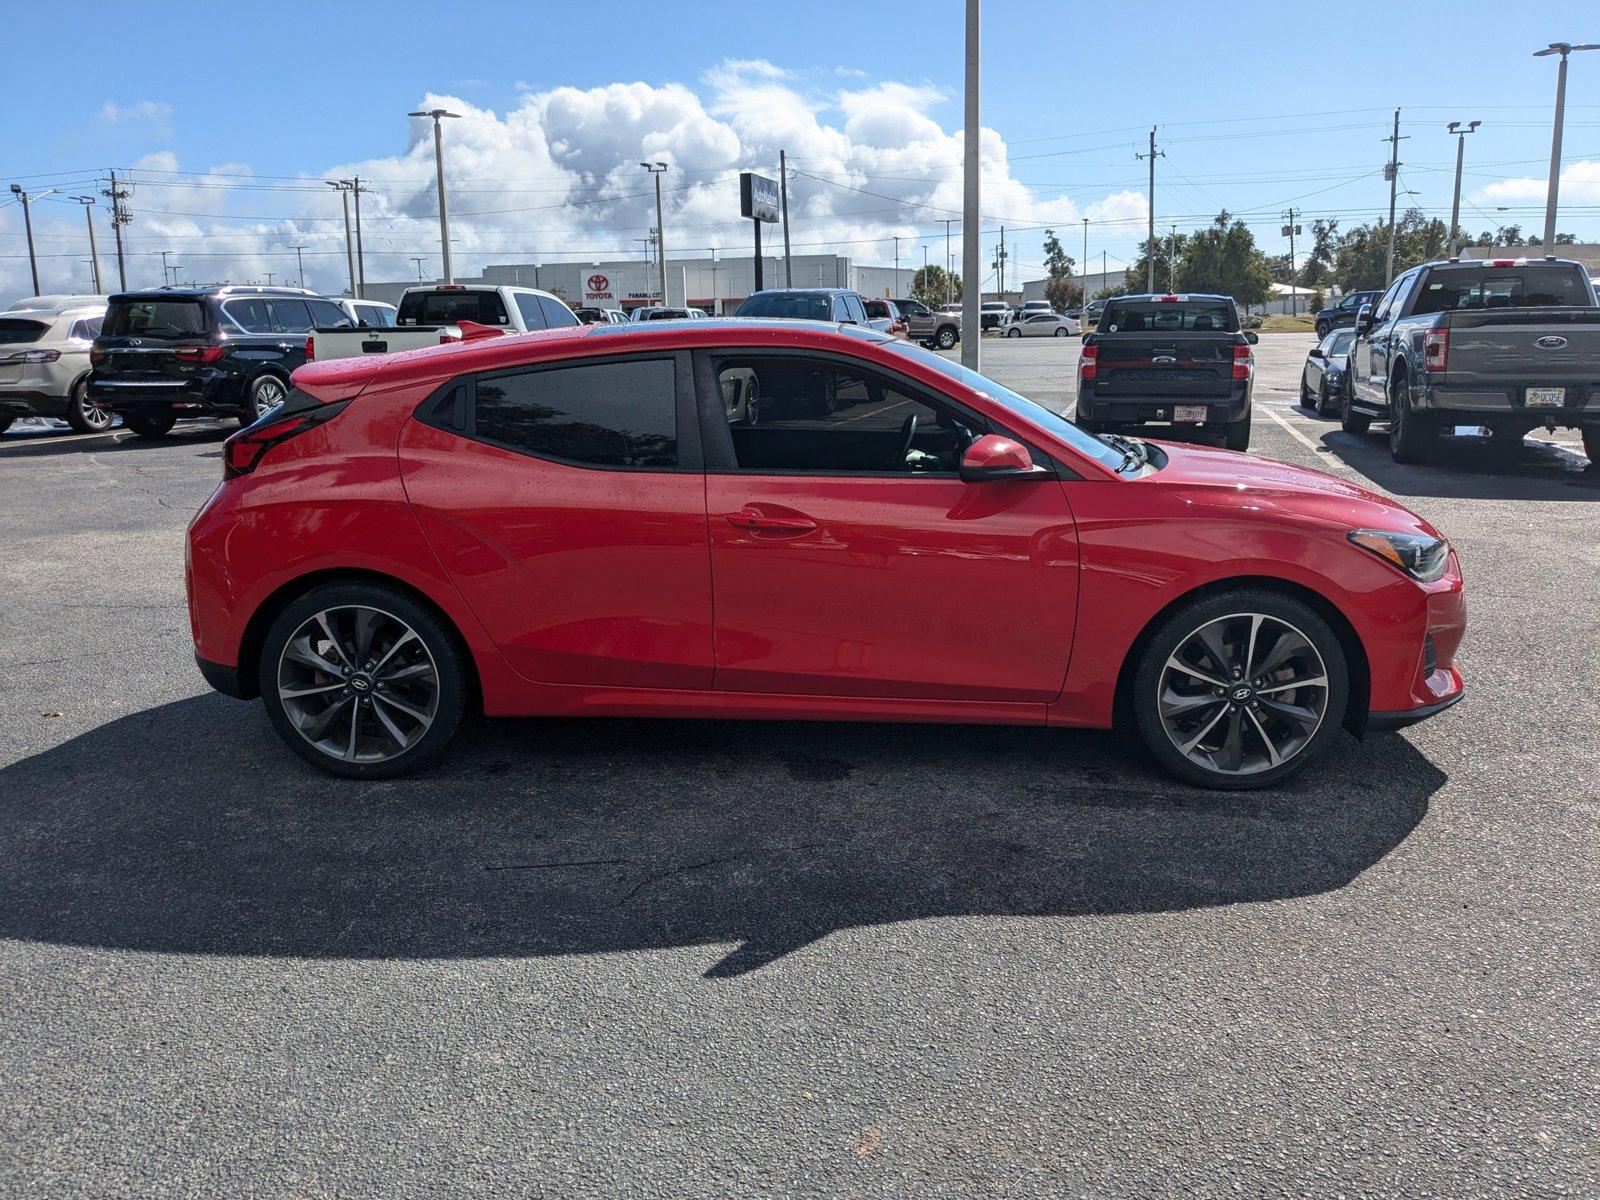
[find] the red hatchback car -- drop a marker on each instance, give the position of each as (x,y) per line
(595,521)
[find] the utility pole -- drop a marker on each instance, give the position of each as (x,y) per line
(783,189)
(164,268)
(88,203)
(896,287)
(657,169)
(1084,266)
(1172,262)
(439,115)
(1150,235)
(1563,49)
(417,259)
(1000,265)
(361,259)
(1392,173)
(27,221)
(1290,230)
(971,266)
(345,187)
(1461,131)
(119,218)
(949,269)
(300,262)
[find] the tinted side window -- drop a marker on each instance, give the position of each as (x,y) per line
(328,315)
(1380,310)
(87,329)
(852,305)
(251,315)
(616,414)
(291,316)
(528,306)
(556,314)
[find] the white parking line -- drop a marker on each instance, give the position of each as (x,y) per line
(1333,462)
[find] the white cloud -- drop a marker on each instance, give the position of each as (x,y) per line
(556,178)
(1580,184)
(151,111)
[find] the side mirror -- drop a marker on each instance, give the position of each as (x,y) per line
(1251,336)
(1364,319)
(993,457)
(1316,352)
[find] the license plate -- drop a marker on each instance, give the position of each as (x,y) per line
(1546,397)
(1189,413)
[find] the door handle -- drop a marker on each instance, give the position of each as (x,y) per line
(759,522)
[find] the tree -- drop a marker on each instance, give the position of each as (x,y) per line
(1168,251)
(1059,287)
(1364,250)
(1115,290)
(1224,259)
(928,286)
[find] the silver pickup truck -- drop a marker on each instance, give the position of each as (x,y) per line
(1510,344)
(431,314)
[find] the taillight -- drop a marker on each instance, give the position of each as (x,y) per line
(446,338)
(197,354)
(243,452)
(32,356)
(311,347)
(1089,365)
(1243,363)
(97,356)
(1436,349)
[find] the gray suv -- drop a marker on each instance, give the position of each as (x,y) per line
(931,328)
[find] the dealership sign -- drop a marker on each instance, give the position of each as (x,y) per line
(758,197)
(596,288)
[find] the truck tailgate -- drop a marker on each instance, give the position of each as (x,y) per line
(1515,347)
(1178,365)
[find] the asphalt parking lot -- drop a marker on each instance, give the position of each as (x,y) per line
(678,958)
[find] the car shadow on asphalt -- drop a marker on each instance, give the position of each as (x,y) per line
(190,829)
(54,442)
(1472,468)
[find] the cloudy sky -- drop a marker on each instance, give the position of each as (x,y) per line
(228,162)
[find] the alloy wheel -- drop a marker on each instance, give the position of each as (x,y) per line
(1242,694)
(268,395)
(358,684)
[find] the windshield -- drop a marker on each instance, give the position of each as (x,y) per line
(162,318)
(796,306)
(1084,443)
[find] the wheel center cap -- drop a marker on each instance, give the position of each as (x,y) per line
(1241,693)
(360,684)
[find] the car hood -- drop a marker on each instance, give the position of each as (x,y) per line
(1215,479)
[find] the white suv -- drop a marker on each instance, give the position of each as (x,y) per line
(519,309)
(44,365)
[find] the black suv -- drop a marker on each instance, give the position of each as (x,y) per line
(198,352)
(1343,314)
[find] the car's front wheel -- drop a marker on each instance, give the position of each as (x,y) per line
(1013,333)
(1322,330)
(1241,690)
(946,338)
(363,681)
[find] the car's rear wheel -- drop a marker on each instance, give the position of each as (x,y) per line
(1591,444)
(1411,434)
(1062,332)
(1241,690)
(946,338)
(1322,330)
(150,423)
(5,422)
(1013,332)
(83,414)
(363,681)
(266,393)
(1237,436)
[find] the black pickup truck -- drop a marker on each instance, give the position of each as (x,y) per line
(1168,361)
(1510,344)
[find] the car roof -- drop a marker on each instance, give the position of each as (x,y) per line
(824,291)
(1180,295)
(221,289)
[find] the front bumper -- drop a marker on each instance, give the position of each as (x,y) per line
(1384,722)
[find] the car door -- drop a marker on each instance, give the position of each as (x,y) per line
(253,339)
(842,567)
(1384,338)
(1366,357)
(567,502)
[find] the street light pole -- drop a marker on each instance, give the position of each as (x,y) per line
(897,261)
(1084,266)
(345,187)
(418,261)
(27,222)
(657,169)
(949,269)
(438,115)
(1461,131)
(300,263)
(94,255)
(1563,49)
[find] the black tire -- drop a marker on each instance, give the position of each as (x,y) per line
(441,642)
(1322,329)
(1324,399)
(1411,434)
(1013,332)
(1237,436)
(83,416)
(1350,420)
(150,422)
(1305,392)
(945,338)
(265,393)
(1591,443)
(5,422)
(1063,332)
(1178,629)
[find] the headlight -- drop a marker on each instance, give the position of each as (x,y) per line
(1421,557)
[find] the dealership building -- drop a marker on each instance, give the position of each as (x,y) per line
(717,285)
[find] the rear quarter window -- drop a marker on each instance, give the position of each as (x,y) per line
(613,414)
(15,332)
(156,318)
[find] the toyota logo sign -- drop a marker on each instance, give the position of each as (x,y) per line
(599,283)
